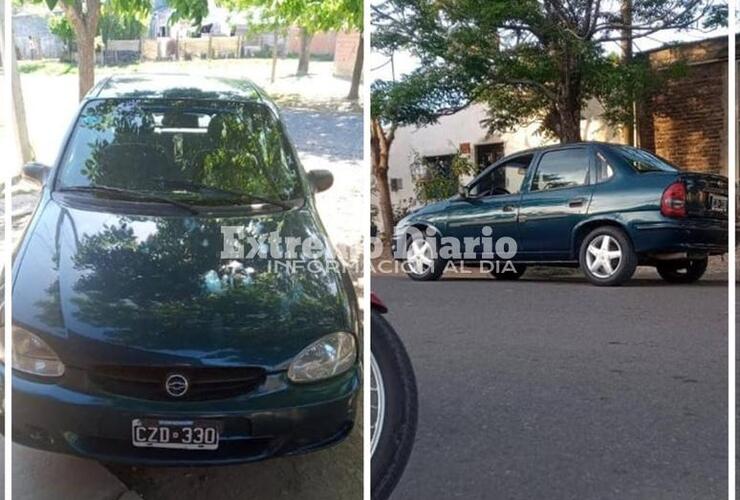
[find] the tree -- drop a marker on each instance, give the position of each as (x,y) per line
(530,60)
(420,101)
(354,16)
(17,108)
(59,26)
(311,16)
(120,26)
(84,17)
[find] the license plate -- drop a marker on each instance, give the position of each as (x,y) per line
(178,434)
(717,203)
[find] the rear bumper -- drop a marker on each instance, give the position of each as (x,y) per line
(708,236)
(289,420)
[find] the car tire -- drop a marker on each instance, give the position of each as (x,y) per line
(396,439)
(607,256)
(419,271)
(508,274)
(682,271)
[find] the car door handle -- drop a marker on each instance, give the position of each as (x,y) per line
(576,202)
(522,218)
(509,208)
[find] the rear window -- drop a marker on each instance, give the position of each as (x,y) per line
(197,151)
(642,161)
(562,169)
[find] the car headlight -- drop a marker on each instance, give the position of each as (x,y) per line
(329,356)
(32,355)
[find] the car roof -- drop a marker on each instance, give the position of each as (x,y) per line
(177,86)
(554,147)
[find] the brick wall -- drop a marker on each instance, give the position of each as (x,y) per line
(321,43)
(345,53)
(685,121)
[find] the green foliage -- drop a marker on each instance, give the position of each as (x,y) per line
(312,15)
(525,59)
(437,184)
(59,26)
(423,96)
(120,26)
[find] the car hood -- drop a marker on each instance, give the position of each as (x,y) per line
(105,288)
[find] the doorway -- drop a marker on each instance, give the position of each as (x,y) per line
(486,154)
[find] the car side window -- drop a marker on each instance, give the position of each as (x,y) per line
(562,169)
(603,170)
(506,178)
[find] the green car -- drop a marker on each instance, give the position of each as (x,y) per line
(176,300)
(605,208)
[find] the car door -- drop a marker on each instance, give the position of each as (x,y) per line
(557,197)
(493,202)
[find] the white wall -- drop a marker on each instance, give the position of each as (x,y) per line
(446,136)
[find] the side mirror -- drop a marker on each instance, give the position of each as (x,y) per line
(320,180)
(464,192)
(36,172)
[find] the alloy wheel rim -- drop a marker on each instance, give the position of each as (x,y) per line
(603,256)
(377,404)
(419,256)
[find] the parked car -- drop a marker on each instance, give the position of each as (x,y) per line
(604,207)
(137,336)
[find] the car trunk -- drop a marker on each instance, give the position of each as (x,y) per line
(706,194)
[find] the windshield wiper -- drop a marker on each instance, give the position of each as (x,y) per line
(130,194)
(235,194)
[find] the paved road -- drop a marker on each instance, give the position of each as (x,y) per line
(561,390)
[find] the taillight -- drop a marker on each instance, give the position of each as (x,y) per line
(673,201)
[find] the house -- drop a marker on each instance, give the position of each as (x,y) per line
(31,34)
(685,121)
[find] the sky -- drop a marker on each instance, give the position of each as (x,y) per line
(404,62)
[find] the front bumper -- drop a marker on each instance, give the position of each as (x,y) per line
(279,419)
(664,235)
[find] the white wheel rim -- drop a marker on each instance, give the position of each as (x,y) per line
(419,256)
(603,256)
(377,404)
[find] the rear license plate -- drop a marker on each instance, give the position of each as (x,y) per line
(717,203)
(178,434)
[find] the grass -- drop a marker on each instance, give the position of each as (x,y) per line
(47,67)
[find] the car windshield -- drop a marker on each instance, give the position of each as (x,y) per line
(197,152)
(642,161)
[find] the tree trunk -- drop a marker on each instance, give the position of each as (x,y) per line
(18,109)
(305,52)
(354,89)
(379,151)
(85,63)
(570,125)
(19,113)
(570,100)
(274,55)
(85,25)
(628,131)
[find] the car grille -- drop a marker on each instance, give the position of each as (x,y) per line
(205,383)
